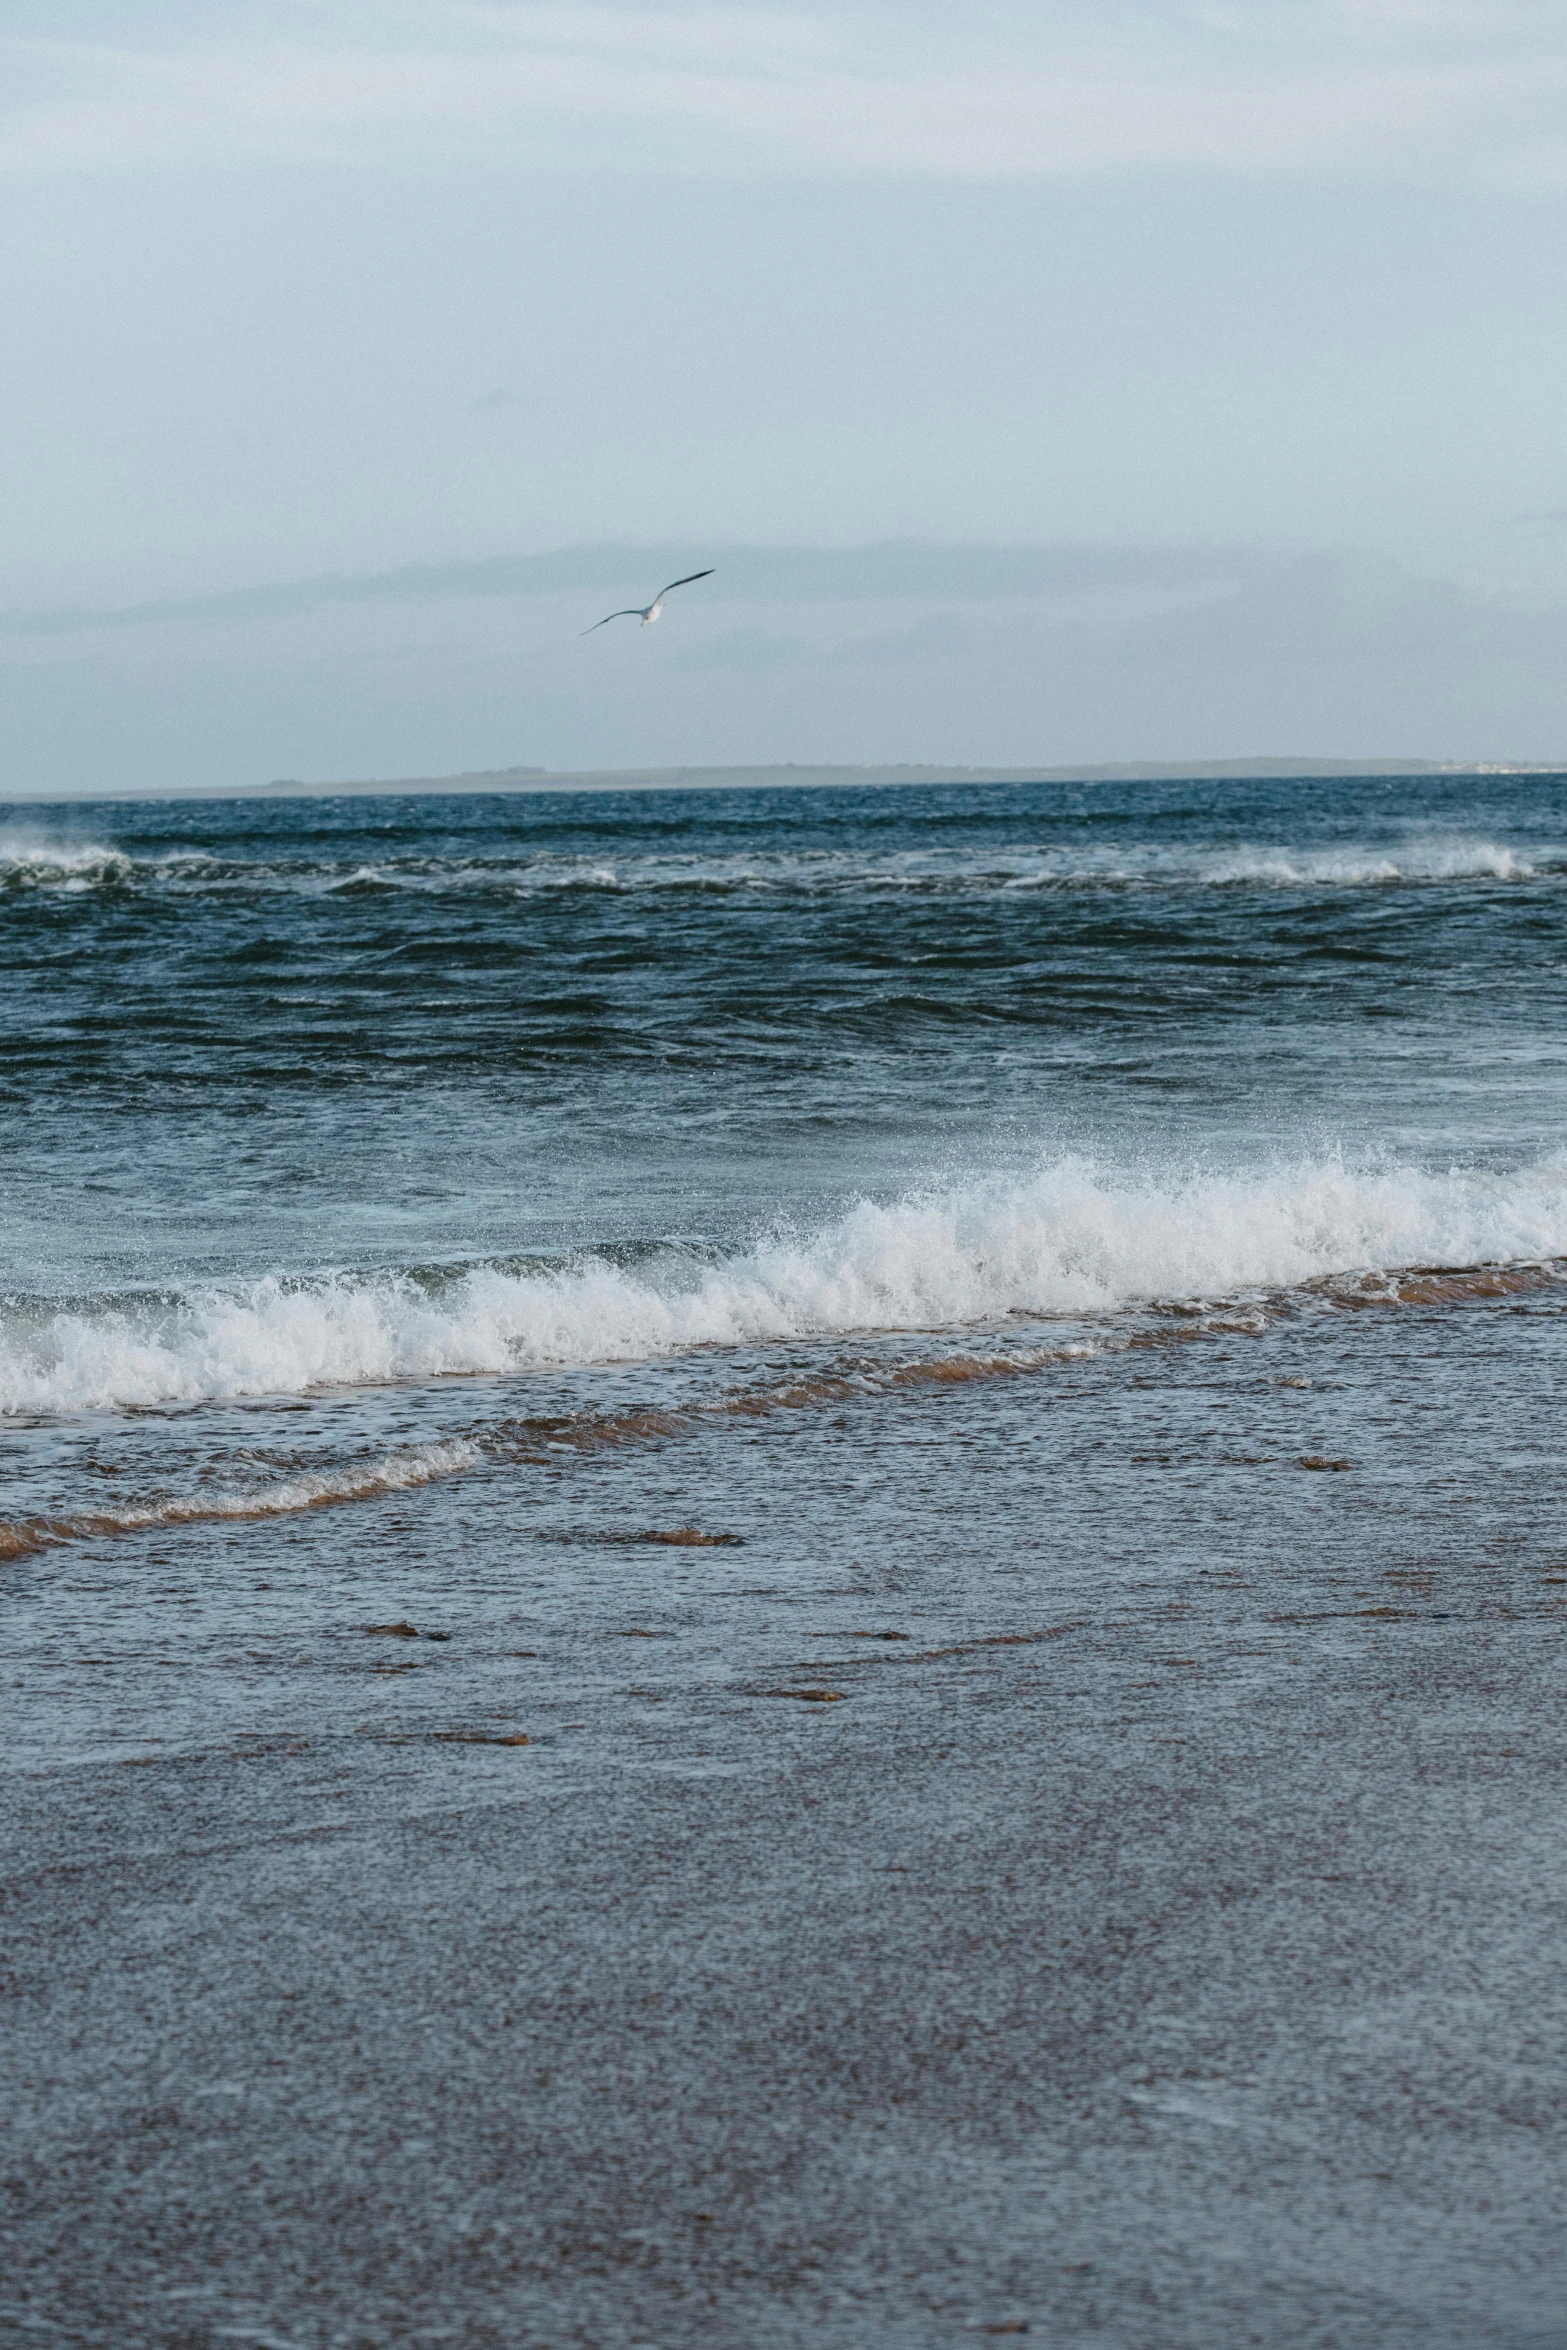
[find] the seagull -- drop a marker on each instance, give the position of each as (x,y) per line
(648,613)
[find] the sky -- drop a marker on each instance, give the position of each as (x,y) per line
(1046,383)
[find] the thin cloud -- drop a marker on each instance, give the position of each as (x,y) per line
(753,651)
(940,636)
(1424,89)
(900,570)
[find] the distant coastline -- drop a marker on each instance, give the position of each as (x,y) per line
(787,778)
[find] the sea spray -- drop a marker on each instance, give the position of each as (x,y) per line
(30,861)
(1073,1237)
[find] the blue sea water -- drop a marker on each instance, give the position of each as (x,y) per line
(354,1144)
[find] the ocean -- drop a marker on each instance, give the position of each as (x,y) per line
(627,1276)
(346,1142)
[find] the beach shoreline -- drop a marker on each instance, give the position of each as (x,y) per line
(1155,1944)
(973,1737)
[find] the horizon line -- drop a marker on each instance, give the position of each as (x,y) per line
(794,775)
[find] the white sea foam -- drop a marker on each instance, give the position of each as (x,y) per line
(30,863)
(27,861)
(1463,860)
(1073,1237)
(398,1472)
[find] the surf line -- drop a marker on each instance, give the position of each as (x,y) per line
(545,1443)
(548,1443)
(396,1473)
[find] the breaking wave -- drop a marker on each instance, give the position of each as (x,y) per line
(1367,869)
(1072,1238)
(27,863)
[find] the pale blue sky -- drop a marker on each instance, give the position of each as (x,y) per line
(1263,300)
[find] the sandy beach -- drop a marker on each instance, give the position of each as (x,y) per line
(1156,1943)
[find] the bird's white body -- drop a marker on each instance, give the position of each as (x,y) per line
(653,611)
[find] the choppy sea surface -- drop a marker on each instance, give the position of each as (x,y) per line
(353,1147)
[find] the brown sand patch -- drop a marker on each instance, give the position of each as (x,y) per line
(481,1738)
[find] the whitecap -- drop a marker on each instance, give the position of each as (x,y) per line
(1073,1237)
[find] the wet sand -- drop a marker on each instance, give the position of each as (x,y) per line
(1158,1945)
(962,2003)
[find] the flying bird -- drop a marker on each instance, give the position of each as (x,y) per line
(648,613)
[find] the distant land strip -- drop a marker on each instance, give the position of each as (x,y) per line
(785,778)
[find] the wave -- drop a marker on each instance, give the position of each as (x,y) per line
(30,864)
(1071,1238)
(27,862)
(287,1497)
(1363,869)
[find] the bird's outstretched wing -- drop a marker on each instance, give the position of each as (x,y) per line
(686,582)
(626,612)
